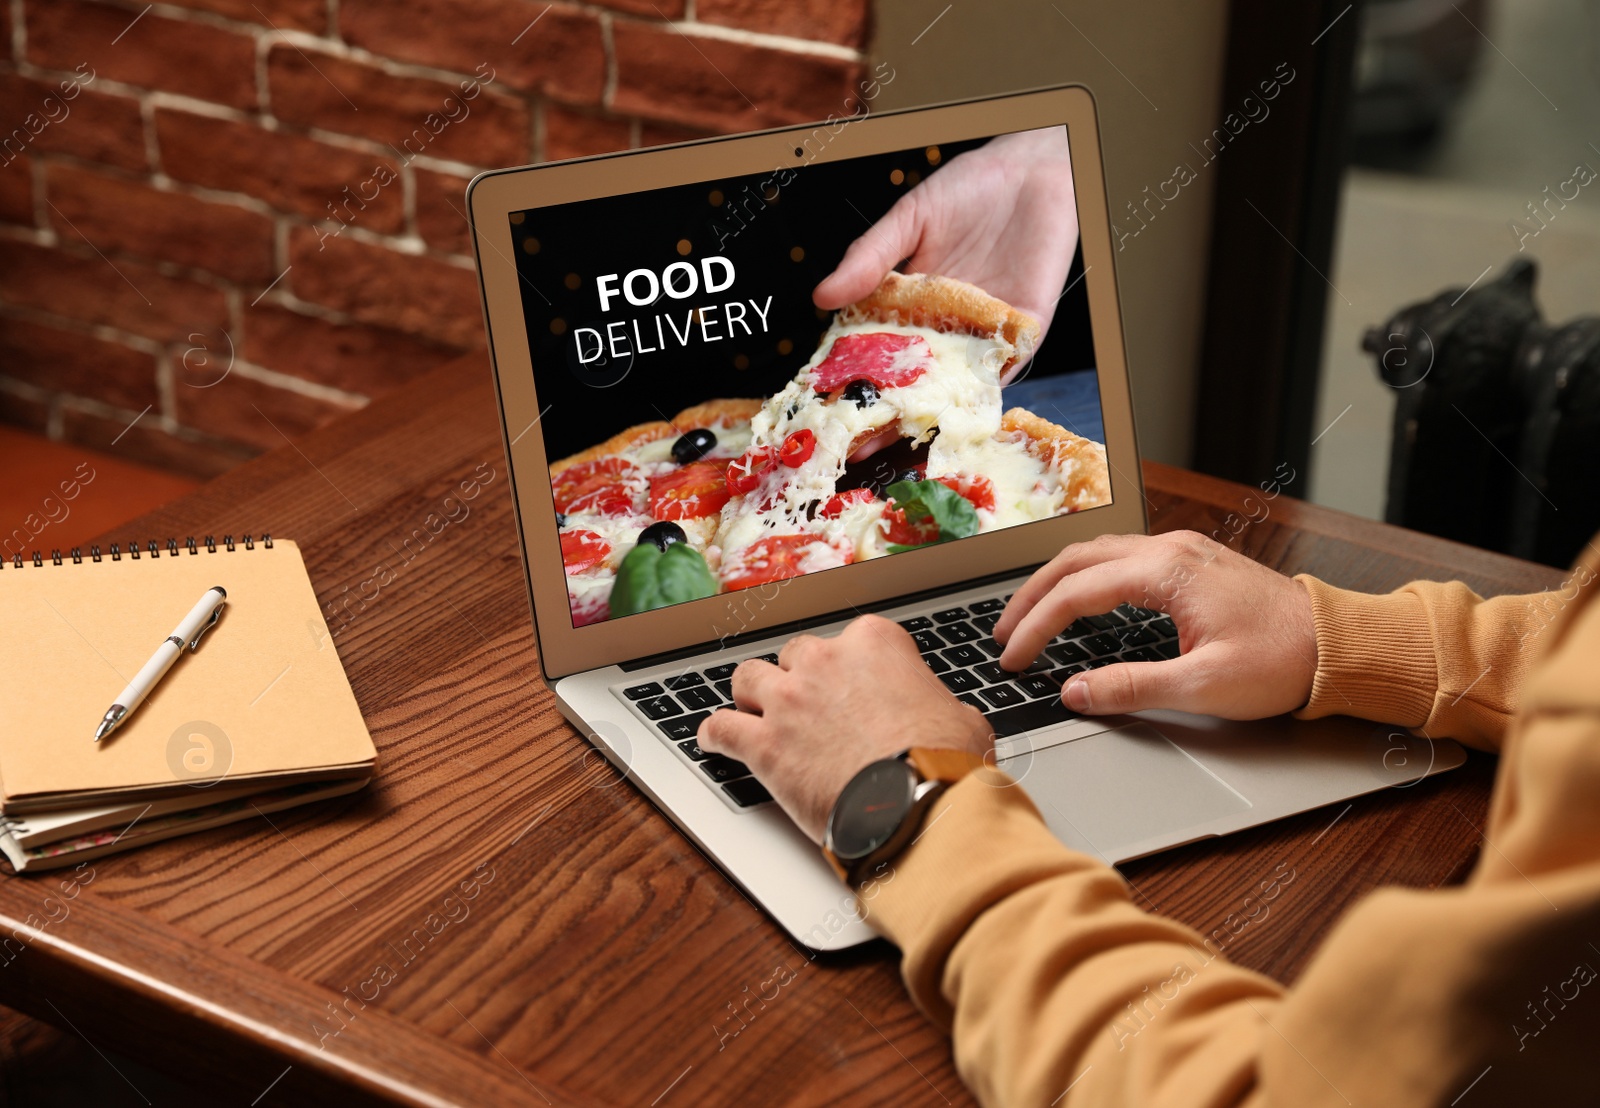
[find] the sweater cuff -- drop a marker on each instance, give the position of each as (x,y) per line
(980,842)
(1375,656)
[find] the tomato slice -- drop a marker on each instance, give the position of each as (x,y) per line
(771,559)
(798,447)
(595,486)
(744,472)
(697,490)
(582,550)
(906,532)
(835,505)
(978,489)
(886,359)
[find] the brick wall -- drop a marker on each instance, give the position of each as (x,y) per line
(225,222)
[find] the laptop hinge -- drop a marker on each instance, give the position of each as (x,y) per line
(795,627)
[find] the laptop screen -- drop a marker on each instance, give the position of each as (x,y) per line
(735,389)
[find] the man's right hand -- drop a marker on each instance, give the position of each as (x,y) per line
(1247,634)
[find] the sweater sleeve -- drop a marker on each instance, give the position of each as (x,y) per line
(1433,657)
(1059,990)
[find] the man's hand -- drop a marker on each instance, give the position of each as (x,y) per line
(1002,216)
(1248,637)
(831,706)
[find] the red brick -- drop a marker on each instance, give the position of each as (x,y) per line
(564,55)
(351,356)
(842,21)
(413,115)
(22,411)
(240,410)
(132,297)
(186,452)
(300,15)
(410,293)
(175,55)
(93,125)
(659,134)
(120,216)
(570,134)
(655,9)
(442,211)
(290,172)
(16,192)
(67,361)
(707,82)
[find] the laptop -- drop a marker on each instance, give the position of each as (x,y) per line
(630,294)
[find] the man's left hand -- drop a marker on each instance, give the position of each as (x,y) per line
(807,725)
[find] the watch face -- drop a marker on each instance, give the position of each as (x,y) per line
(871,808)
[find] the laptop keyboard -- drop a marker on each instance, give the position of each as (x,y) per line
(958,648)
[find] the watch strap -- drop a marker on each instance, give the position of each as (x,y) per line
(943,763)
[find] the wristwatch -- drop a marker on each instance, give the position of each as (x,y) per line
(881,808)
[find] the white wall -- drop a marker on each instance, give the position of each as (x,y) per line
(1156,72)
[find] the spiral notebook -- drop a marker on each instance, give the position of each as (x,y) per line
(262,705)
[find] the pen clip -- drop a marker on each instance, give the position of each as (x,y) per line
(216,614)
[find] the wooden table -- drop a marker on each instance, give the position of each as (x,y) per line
(601,949)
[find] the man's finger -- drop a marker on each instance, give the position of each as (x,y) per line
(728,732)
(748,681)
(1135,686)
(1072,559)
(870,258)
(1088,592)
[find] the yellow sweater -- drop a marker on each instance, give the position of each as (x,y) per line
(1049,977)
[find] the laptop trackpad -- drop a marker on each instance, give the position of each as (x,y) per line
(1124,792)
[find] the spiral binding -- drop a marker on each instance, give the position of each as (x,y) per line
(152,549)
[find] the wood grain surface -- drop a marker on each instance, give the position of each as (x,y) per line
(598,954)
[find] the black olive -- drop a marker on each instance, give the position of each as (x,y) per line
(693,445)
(862,391)
(662,535)
(561,519)
(911,475)
(793,408)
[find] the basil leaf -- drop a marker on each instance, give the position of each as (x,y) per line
(652,578)
(952,512)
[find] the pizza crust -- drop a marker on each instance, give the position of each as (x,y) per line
(944,304)
(709,414)
(1081,462)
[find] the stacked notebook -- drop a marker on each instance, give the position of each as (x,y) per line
(260,718)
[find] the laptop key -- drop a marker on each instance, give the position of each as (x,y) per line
(1066,653)
(719,768)
(927,640)
(949,615)
(986,622)
(1060,676)
(702,697)
(660,707)
(916,623)
(990,647)
(982,607)
(1037,685)
(692,749)
(721,673)
(971,699)
(1164,626)
(1137,636)
(683,681)
(726,689)
(639,692)
(1168,649)
(936,663)
(773,658)
(1141,654)
(960,681)
(1030,716)
(1107,622)
(963,655)
(1101,645)
(991,672)
(1002,696)
(961,631)
(747,792)
(683,727)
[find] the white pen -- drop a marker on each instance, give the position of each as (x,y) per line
(201,618)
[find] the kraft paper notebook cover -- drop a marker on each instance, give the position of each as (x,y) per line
(263,702)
